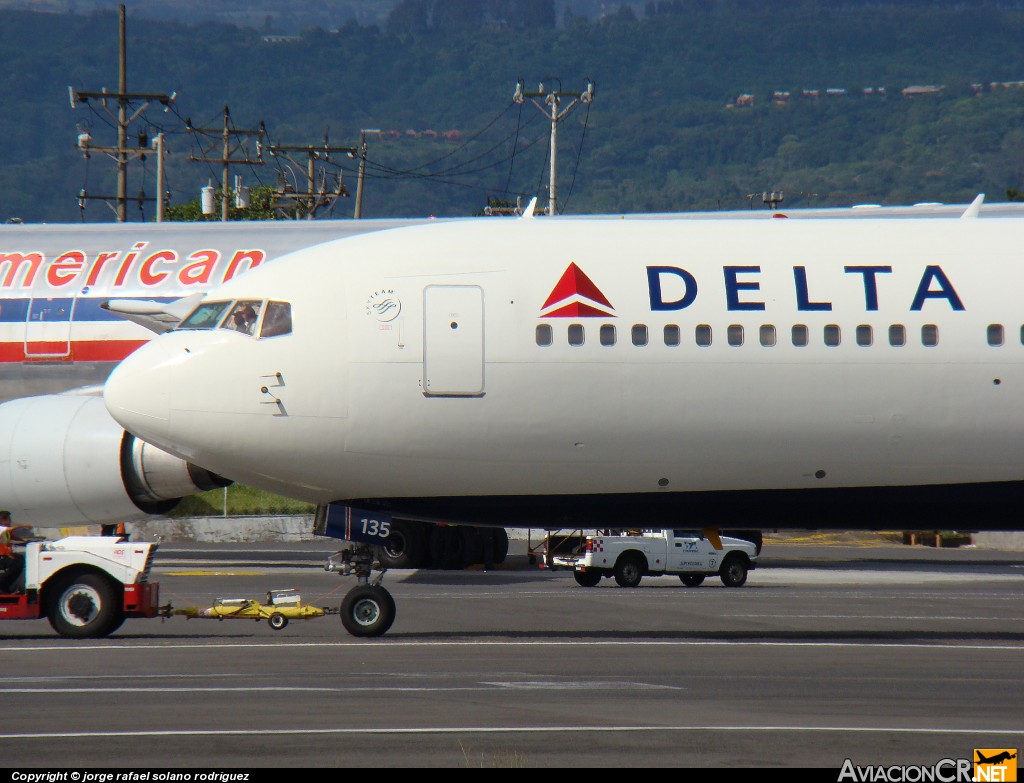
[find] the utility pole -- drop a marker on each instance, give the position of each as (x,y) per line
(362,171)
(225,137)
(314,197)
(161,202)
(553,100)
(121,153)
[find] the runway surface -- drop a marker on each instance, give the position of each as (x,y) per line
(884,655)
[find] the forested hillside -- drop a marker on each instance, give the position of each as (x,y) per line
(665,132)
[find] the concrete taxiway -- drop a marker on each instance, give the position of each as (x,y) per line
(885,655)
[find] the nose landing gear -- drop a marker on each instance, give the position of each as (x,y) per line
(368,609)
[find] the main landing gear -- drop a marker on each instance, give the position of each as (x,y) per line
(368,609)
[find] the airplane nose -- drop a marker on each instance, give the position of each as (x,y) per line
(138,392)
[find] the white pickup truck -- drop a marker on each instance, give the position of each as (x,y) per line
(629,558)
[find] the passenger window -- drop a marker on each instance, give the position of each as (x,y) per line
(864,336)
(767,335)
(607,334)
(995,335)
(832,335)
(800,336)
(243,317)
(703,335)
(206,316)
(544,338)
(277,320)
(575,334)
(639,335)
(672,336)
(929,335)
(897,335)
(734,335)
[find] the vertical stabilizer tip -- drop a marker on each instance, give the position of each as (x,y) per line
(974,209)
(528,212)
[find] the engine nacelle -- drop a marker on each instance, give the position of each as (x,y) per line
(64,461)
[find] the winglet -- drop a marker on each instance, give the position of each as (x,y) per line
(528,212)
(974,209)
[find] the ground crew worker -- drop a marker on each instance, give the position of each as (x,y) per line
(113,529)
(11,562)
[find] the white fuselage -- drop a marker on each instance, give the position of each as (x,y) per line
(453,396)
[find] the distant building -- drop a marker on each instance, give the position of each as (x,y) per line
(811,93)
(452,135)
(780,97)
(923,89)
(835,91)
(745,100)
(276,39)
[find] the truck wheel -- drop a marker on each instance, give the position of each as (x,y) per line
(628,571)
(367,610)
(277,621)
(733,571)
(692,580)
(86,606)
(587,578)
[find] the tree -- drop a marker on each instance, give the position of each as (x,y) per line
(409,16)
(261,207)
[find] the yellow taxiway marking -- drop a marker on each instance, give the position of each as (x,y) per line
(832,539)
(214,573)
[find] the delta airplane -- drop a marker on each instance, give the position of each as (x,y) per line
(74,301)
(77,299)
(819,373)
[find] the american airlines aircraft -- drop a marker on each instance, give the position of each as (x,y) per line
(74,301)
(819,373)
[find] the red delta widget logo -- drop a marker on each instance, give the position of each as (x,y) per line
(576,296)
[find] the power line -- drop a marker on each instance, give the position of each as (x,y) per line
(512,158)
(579,154)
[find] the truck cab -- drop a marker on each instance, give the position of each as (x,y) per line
(87,586)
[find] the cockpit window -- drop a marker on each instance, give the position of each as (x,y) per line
(278,319)
(243,316)
(206,316)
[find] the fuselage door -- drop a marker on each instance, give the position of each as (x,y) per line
(453,341)
(48,329)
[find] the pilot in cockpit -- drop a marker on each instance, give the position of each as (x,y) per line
(244,319)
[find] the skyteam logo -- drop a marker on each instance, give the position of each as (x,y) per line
(384,305)
(576,296)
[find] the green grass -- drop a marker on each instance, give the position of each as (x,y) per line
(241,501)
